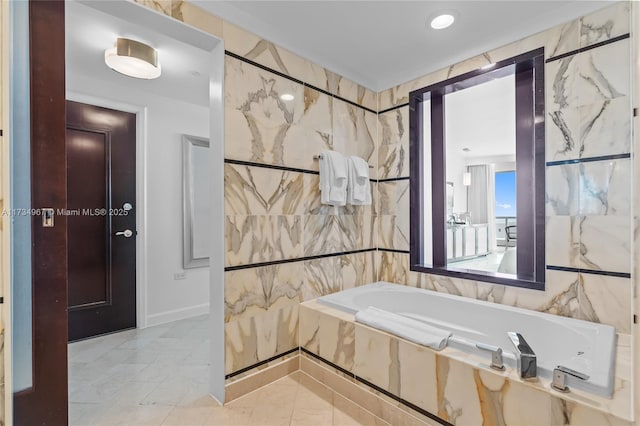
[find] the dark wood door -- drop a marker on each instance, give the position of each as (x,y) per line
(101,220)
(45,402)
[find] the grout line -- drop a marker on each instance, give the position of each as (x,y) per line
(587,48)
(295,80)
(297,259)
(589,271)
(393,108)
(588,159)
(379,389)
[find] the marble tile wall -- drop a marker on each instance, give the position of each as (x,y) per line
(588,203)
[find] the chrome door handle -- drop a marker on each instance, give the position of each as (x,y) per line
(127,233)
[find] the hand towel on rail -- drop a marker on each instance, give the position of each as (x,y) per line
(407,328)
(359,187)
(333,178)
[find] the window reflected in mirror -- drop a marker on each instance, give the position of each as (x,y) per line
(480,134)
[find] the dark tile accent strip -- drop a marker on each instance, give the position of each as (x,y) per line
(394,179)
(295,80)
(255,64)
(297,259)
(393,107)
(586,48)
(393,250)
(589,159)
(258,364)
(589,271)
(270,166)
(379,389)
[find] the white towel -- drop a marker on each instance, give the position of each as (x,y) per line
(407,328)
(359,188)
(333,178)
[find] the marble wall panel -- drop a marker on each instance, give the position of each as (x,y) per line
(377,358)
(589,77)
(255,239)
(605,24)
(601,128)
(393,232)
(393,143)
(353,270)
(393,267)
(562,196)
(258,191)
(328,336)
(320,278)
(394,197)
(418,378)
(605,187)
(605,243)
(252,291)
(256,338)
(355,132)
(326,234)
(257,121)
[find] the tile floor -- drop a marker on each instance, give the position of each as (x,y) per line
(159,376)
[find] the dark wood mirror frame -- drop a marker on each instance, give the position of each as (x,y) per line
(530,177)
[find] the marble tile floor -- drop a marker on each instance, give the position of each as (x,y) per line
(488,263)
(159,376)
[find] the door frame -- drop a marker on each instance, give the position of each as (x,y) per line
(141,193)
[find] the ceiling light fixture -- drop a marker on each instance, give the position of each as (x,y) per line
(442,21)
(134,59)
(287,97)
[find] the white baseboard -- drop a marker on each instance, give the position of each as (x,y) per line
(177,314)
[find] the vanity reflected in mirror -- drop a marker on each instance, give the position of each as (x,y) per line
(477,174)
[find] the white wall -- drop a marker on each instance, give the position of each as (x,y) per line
(166,299)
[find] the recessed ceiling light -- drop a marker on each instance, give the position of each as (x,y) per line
(287,97)
(442,21)
(134,59)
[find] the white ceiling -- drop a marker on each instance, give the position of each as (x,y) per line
(482,118)
(380,44)
(89,32)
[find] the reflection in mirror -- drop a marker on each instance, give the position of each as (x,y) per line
(480,147)
(196,201)
(477,174)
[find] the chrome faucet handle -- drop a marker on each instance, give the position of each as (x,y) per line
(497,361)
(560,373)
(526,358)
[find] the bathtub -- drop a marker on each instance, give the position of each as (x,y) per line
(583,346)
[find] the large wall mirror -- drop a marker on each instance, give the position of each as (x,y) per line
(477,174)
(196,201)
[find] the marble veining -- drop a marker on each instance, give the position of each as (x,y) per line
(259,337)
(393,142)
(562,197)
(256,290)
(604,187)
(255,239)
(605,24)
(257,191)
(257,120)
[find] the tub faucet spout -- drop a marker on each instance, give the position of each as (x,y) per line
(525,357)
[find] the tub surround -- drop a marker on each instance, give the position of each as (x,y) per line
(455,386)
